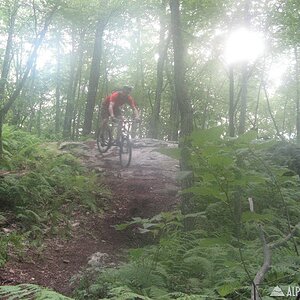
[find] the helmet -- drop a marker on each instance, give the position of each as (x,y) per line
(127,88)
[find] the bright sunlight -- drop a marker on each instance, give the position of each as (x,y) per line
(243,45)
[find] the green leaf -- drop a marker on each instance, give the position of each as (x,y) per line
(228,288)
(122,226)
(200,137)
(247,137)
(30,291)
(252,216)
(206,190)
(220,161)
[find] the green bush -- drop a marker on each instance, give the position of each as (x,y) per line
(42,187)
(190,262)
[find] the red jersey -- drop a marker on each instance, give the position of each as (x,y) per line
(119,99)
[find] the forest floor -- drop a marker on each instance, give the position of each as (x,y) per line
(145,189)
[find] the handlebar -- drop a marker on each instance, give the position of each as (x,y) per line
(123,121)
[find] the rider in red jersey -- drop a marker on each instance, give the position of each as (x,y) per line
(112,103)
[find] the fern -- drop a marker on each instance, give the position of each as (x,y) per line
(29,291)
(43,187)
(124,293)
(191,263)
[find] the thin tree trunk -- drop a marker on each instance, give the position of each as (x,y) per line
(173,127)
(184,104)
(8,50)
(77,85)
(57,88)
(245,76)
(94,78)
(186,113)
(231,103)
(162,52)
(244,95)
(70,93)
(297,93)
(284,115)
(271,114)
(255,125)
(140,79)
(30,62)
(39,117)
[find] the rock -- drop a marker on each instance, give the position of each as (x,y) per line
(75,148)
(147,142)
(3,220)
(98,260)
(69,146)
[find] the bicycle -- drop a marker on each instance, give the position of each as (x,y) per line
(105,139)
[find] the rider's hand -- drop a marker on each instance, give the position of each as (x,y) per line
(137,119)
(113,119)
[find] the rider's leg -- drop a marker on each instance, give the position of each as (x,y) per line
(104,117)
(118,115)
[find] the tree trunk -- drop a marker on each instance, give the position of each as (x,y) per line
(39,117)
(1,137)
(185,108)
(244,95)
(70,94)
(30,62)
(140,78)
(231,103)
(94,79)
(77,85)
(174,111)
(184,105)
(297,94)
(271,114)
(244,80)
(57,89)
(162,52)
(174,119)
(8,50)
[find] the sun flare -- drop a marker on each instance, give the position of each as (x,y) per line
(243,45)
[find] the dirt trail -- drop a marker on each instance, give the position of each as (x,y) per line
(145,189)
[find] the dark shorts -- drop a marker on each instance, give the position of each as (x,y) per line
(105,113)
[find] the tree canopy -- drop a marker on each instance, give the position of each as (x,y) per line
(93,47)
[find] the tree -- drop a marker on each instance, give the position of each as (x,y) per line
(181,96)
(181,92)
(94,77)
(162,53)
(6,105)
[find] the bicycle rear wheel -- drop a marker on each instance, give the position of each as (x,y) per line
(104,140)
(125,152)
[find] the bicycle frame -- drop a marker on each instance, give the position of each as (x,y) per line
(122,139)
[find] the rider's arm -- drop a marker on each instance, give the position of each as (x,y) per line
(136,113)
(134,108)
(111,109)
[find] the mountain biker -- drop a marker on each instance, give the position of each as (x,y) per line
(111,106)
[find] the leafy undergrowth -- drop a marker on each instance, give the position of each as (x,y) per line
(39,189)
(29,291)
(214,250)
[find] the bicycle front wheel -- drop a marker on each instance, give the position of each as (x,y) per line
(104,140)
(125,152)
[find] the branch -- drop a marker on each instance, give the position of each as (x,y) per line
(285,239)
(271,114)
(259,277)
(267,250)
